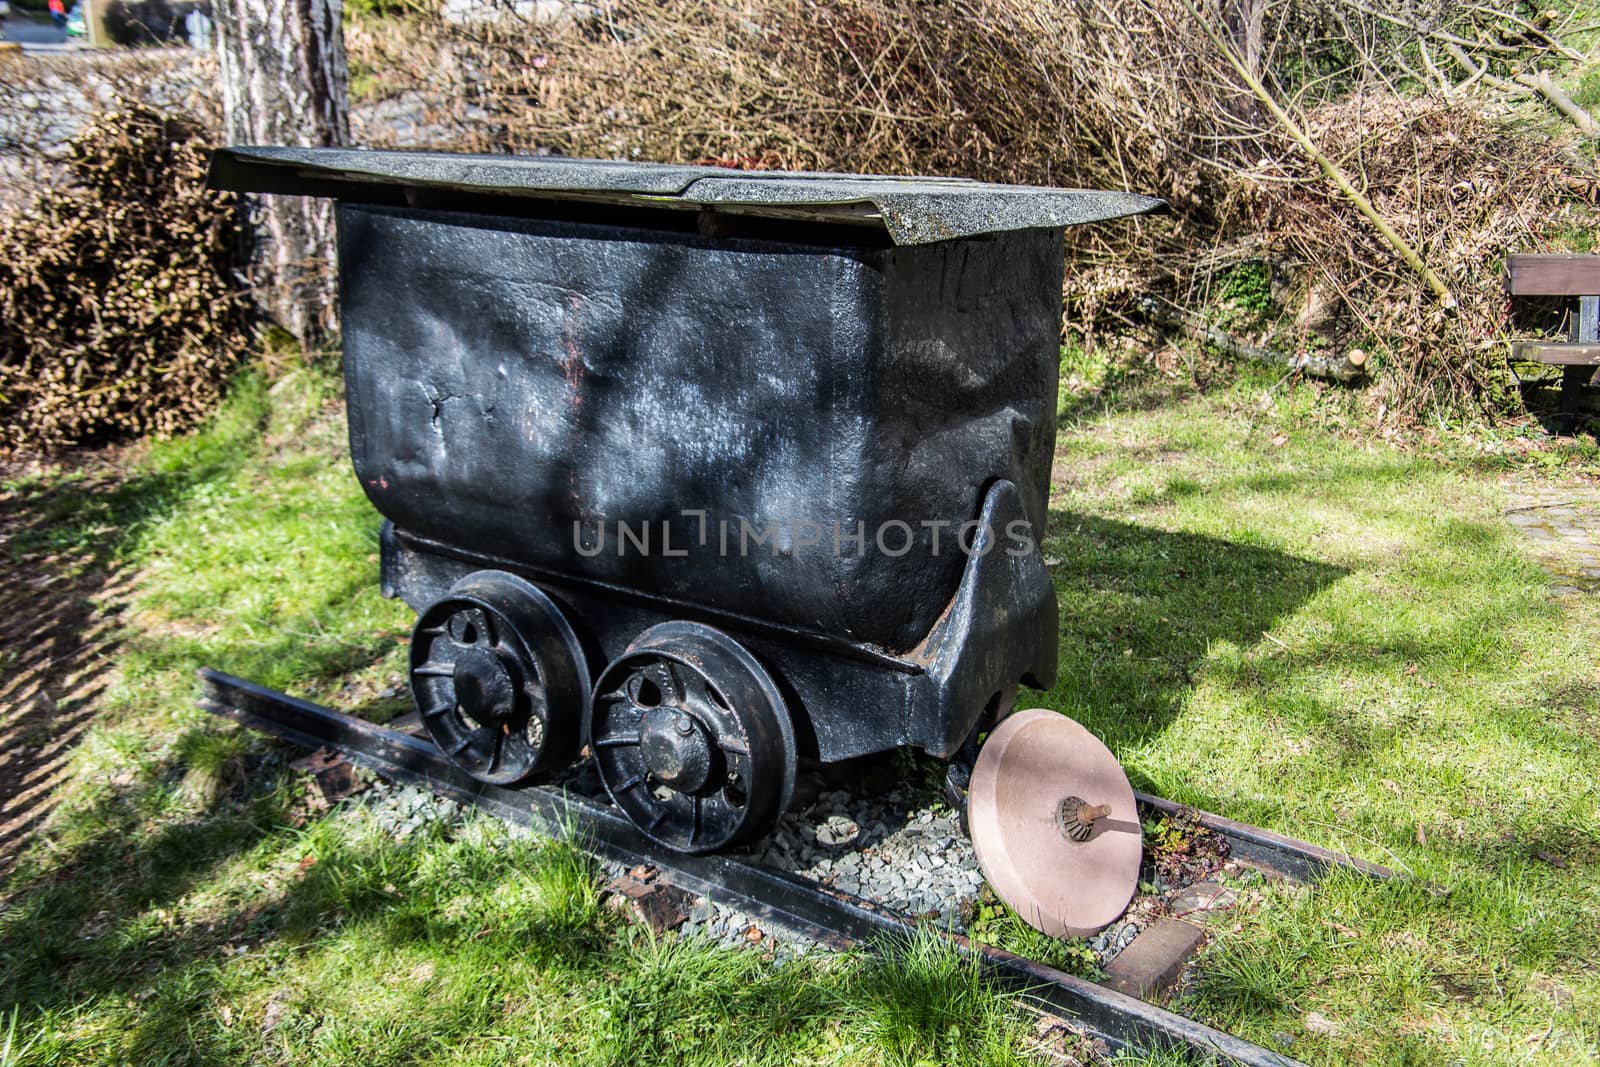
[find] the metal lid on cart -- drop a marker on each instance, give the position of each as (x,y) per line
(913,210)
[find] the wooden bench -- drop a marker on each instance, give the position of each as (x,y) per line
(1563,274)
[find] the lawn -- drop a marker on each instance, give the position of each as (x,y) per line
(1272,616)
(1266,611)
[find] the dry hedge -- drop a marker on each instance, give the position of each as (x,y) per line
(1100,93)
(117,290)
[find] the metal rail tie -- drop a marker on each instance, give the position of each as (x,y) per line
(777,897)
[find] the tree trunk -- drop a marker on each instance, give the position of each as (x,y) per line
(284,83)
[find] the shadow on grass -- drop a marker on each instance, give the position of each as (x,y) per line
(1141,608)
(1543,399)
(83,919)
(62,537)
(87,922)
(1122,395)
(498,919)
(100,926)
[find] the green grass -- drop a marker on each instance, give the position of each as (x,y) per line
(1587,93)
(1265,611)
(924,1002)
(993,923)
(1345,642)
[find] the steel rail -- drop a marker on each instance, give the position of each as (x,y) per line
(1298,861)
(771,896)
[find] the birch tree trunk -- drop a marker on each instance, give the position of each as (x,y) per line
(284,82)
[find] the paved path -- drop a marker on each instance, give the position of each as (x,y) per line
(1564,526)
(26,31)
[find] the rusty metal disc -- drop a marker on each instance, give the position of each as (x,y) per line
(1041,782)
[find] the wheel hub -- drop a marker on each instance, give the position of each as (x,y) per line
(675,749)
(485,689)
(691,738)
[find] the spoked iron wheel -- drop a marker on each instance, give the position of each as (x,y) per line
(499,678)
(692,739)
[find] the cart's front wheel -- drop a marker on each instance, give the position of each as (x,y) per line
(499,678)
(692,739)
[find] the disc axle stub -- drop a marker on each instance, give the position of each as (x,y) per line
(1054,824)
(1075,817)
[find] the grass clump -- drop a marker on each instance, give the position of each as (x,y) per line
(993,923)
(1347,643)
(1263,614)
(925,1001)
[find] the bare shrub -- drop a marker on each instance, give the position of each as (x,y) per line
(1124,94)
(1464,189)
(44,101)
(116,291)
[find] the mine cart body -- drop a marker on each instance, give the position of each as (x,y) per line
(814,412)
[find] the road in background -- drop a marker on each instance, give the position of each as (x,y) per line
(35,35)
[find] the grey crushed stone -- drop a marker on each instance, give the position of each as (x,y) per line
(909,854)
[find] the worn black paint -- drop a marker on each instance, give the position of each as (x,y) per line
(511,382)
(544,358)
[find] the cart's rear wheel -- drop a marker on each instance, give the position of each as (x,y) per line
(499,678)
(958,775)
(692,739)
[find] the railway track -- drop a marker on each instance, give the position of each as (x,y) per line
(775,897)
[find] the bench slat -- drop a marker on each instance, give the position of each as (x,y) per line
(1558,353)
(1552,274)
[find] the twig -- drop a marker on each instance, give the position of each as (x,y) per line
(1554,45)
(1439,79)
(1541,82)
(1427,31)
(1340,369)
(1526,84)
(1482,72)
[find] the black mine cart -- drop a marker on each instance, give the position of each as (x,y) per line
(707,470)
